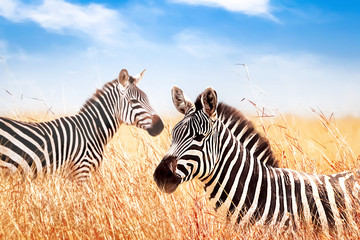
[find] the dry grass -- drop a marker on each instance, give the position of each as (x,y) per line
(121,201)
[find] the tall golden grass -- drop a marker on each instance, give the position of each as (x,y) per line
(121,200)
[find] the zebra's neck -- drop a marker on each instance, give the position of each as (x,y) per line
(101,112)
(245,132)
(242,155)
(235,168)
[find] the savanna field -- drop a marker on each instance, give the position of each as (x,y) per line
(121,200)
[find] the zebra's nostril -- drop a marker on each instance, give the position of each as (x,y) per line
(170,173)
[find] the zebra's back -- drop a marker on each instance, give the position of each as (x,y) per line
(289,197)
(34,148)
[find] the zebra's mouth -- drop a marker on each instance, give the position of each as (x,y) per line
(156,127)
(165,176)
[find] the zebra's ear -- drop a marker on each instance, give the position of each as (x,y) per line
(209,102)
(181,102)
(123,77)
(139,76)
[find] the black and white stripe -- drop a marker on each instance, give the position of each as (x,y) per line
(215,144)
(77,141)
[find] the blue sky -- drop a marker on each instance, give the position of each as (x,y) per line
(299,54)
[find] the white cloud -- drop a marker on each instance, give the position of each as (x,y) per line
(299,81)
(7,8)
(201,46)
(94,20)
(3,46)
(289,81)
(249,7)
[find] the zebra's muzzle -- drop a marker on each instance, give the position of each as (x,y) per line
(156,127)
(165,177)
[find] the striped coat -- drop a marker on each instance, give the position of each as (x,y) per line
(77,141)
(215,144)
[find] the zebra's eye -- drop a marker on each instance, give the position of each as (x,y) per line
(134,100)
(199,136)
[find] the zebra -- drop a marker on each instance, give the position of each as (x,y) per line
(215,144)
(77,141)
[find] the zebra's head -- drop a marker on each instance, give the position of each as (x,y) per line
(187,157)
(135,106)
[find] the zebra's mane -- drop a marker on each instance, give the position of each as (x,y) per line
(98,94)
(236,122)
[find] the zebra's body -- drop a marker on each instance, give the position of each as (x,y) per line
(217,145)
(76,141)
